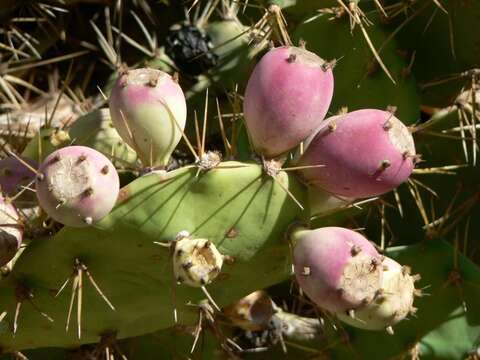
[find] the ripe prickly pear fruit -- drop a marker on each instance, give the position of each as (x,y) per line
(287,96)
(393,302)
(149,111)
(10,231)
(196,262)
(337,268)
(14,174)
(365,153)
(77,186)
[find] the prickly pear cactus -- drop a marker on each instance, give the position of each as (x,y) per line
(246,224)
(226,180)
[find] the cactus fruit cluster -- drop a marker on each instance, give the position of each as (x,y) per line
(199,188)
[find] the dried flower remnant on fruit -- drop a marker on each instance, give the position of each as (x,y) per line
(196,262)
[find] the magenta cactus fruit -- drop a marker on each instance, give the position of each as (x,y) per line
(393,302)
(11,232)
(77,186)
(365,153)
(14,174)
(287,96)
(149,111)
(337,268)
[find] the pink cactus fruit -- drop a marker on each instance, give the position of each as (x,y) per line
(77,186)
(337,268)
(14,174)
(149,111)
(287,96)
(11,232)
(393,302)
(365,153)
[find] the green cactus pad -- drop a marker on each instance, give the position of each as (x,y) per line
(234,55)
(242,211)
(444,45)
(168,344)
